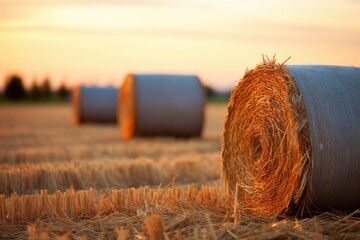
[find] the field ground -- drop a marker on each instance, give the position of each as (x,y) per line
(60,182)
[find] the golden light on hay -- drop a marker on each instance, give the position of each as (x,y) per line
(75,99)
(126,112)
(266,142)
(37,169)
(154,227)
(291,137)
(161,105)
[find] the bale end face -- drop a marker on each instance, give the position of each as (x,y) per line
(265,143)
(75,98)
(126,111)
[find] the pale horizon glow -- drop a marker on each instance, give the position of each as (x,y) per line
(99,42)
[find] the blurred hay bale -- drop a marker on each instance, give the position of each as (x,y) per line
(95,104)
(161,105)
(291,139)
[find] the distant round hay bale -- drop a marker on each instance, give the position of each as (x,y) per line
(95,104)
(161,105)
(291,140)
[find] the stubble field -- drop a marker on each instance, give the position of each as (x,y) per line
(62,182)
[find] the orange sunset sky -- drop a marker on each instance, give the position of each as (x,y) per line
(98,42)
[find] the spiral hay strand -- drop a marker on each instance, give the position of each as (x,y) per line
(291,139)
(266,142)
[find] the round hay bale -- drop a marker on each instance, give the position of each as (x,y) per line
(291,140)
(95,104)
(161,105)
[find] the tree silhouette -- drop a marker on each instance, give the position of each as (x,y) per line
(14,88)
(35,92)
(46,89)
(209,92)
(63,92)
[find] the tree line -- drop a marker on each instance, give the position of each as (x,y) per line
(14,90)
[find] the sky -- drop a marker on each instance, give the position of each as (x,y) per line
(100,41)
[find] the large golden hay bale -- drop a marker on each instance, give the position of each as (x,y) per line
(291,140)
(95,104)
(161,105)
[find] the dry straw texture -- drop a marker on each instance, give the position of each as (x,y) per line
(162,213)
(37,140)
(280,143)
(266,142)
(31,177)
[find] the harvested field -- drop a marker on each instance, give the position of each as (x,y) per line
(61,182)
